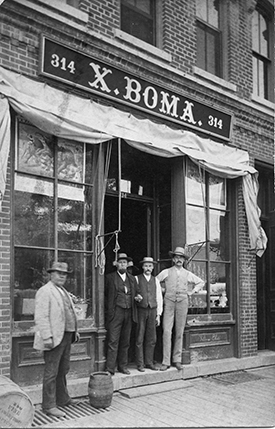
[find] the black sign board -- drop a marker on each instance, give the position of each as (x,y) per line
(82,71)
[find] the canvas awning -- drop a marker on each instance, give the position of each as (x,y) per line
(71,117)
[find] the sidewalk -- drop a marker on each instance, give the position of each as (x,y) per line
(243,398)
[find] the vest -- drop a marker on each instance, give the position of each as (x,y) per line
(176,284)
(70,322)
(148,291)
(124,299)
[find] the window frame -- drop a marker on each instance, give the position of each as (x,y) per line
(207,28)
(266,61)
(53,250)
(154,16)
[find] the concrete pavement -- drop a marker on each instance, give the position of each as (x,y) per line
(243,398)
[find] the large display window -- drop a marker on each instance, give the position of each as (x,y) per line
(53,185)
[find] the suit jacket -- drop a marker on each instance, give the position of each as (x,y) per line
(111,291)
(49,316)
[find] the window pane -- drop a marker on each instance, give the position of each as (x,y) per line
(201,9)
(34,153)
(144,5)
(201,59)
(213,13)
(195,224)
(79,283)
(218,288)
(33,220)
(211,52)
(263,37)
(195,184)
(261,82)
(30,273)
(255,31)
(198,302)
(216,191)
(70,161)
(73,227)
(255,75)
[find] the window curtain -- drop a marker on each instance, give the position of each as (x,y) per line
(66,115)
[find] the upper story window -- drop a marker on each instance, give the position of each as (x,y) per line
(138,18)
(209,36)
(261,48)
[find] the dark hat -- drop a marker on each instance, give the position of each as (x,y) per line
(123,256)
(179,251)
(148,259)
(59,266)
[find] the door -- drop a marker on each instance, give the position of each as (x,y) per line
(265,264)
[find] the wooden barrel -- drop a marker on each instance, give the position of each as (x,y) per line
(100,389)
(16,408)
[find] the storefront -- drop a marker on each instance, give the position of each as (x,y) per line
(132,170)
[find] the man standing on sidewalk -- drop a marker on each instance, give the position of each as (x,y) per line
(55,331)
(177,281)
(149,312)
(121,291)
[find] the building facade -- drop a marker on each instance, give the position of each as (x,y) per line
(137,126)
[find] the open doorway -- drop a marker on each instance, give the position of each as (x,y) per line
(142,213)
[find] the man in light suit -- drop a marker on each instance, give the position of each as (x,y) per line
(55,331)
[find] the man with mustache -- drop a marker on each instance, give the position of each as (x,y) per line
(177,283)
(121,293)
(149,312)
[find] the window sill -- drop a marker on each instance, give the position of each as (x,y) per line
(262,102)
(56,9)
(140,45)
(204,75)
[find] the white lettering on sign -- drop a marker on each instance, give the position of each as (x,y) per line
(133,88)
(62,63)
(187,114)
(100,77)
(166,107)
(154,97)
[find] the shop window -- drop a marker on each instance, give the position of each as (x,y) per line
(207,235)
(261,50)
(138,18)
(209,53)
(52,216)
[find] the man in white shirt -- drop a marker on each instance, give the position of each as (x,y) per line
(149,312)
(177,283)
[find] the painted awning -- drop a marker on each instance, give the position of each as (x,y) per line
(69,116)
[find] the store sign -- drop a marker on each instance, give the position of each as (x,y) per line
(82,71)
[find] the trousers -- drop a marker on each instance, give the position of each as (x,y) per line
(174,313)
(119,339)
(57,366)
(146,336)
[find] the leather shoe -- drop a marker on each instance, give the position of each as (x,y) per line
(164,367)
(141,369)
(124,371)
(152,367)
(110,372)
(54,412)
(72,402)
(178,366)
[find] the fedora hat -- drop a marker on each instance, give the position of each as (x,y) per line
(179,251)
(59,266)
(123,256)
(148,259)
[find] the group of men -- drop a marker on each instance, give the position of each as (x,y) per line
(141,299)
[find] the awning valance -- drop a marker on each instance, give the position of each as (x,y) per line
(71,117)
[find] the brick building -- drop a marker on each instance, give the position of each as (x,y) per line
(138,125)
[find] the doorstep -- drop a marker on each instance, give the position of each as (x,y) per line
(79,387)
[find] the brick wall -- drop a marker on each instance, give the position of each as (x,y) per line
(253,131)
(5,290)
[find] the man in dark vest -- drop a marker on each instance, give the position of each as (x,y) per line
(121,291)
(149,312)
